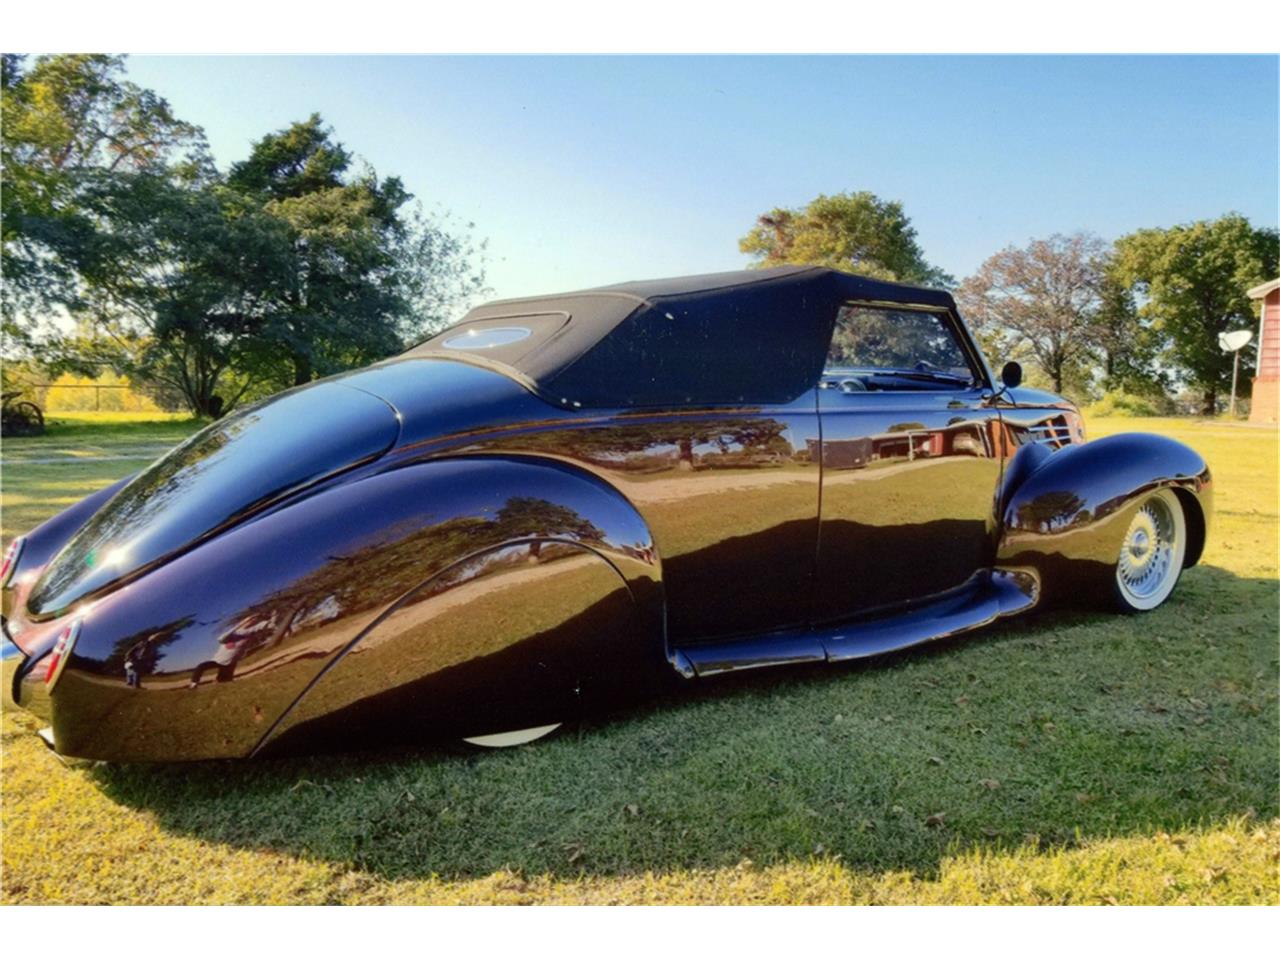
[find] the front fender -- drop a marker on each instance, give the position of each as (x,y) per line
(200,657)
(1067,512)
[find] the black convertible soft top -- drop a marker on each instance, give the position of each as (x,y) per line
(750,336)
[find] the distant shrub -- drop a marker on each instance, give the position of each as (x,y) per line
(1118,403)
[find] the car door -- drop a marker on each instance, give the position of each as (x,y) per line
(910,461)
(731,496)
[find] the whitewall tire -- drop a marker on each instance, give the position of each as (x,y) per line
(1151,553)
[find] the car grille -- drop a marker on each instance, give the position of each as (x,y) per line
(1055,433)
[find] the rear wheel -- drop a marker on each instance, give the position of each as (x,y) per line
(1151,554)
(511,738)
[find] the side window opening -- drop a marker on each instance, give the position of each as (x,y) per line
(895,348)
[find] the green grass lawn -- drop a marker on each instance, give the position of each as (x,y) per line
(1070,757)
(39,477)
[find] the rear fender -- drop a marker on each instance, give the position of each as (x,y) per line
(44,541)
(200,657)
(507,639)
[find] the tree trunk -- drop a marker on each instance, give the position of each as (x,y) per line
(1210,408)
(206,405)
(302,371)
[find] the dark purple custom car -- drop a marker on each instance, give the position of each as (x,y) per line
(562,502)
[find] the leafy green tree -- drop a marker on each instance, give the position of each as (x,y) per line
(210,287)
(179,282)
(1043,298)
(856,232)
(1190,281)
(66,120)
(368,271)
(1128,346)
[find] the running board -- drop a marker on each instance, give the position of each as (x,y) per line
(1002,594)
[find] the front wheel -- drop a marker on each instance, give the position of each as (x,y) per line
(1151,554)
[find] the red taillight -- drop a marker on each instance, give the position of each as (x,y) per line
(10,562)
(61,651)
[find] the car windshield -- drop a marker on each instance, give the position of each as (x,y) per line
(897,348)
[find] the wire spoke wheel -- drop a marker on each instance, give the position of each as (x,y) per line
(1152,552)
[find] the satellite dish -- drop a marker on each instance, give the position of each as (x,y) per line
(1235,340)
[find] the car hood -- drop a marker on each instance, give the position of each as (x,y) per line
(255,456)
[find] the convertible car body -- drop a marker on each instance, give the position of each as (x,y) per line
(561,501)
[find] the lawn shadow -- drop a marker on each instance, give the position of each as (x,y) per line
(1054,729)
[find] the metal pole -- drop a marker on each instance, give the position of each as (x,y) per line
(1235,372)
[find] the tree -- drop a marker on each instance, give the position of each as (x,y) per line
(1191,281)
(1043,297)
(211,286)
(1128,347)
(207,286)
(856,232)
(368,272)
(66,119)
(179,283)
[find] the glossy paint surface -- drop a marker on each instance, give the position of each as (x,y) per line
(229,469)
(903,474)
(46,540)
(223,640)
(512,635)
(1067,519)
(983,599)
(470,559)
(729,496)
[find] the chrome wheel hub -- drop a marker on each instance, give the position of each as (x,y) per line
(1147,554)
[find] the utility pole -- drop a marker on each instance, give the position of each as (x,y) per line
(1235,374)
(1233,343)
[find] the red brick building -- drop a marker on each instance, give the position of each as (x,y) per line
(1265,407)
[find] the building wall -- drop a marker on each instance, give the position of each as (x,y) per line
(1265,407)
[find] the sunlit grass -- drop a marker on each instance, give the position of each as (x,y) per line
(96,434)
(1067,758)
(40,476)
(56,418)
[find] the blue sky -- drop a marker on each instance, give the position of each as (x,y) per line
(585,170)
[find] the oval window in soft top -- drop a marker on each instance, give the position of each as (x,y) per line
(486,338)
(219,475)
